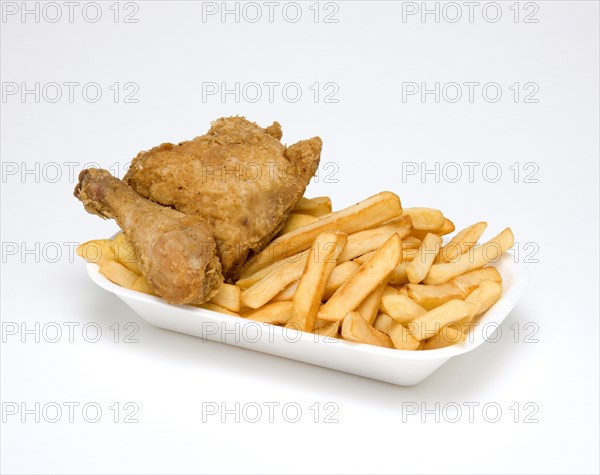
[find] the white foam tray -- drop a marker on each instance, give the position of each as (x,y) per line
(389,365)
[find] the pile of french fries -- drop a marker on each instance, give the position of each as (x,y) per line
(372,273)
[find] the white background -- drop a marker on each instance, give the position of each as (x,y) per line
(368,134)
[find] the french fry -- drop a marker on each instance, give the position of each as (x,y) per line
(364,281)
(118,273)
(482,298)
(431,322)
(422,262)
(275,313)
(216,308)
(252,279)
(411,242)
(297,220)
(364,258)
(273,283)
(447,336)
(389,290)
(327,328)
(322,259)
(369,307)
(399,276)
(425,219)
(369,213)
(371,239)
(125,253)
(339,276)
(287,293)
(468,282)
(98,251)
(141,284)
(431,296)
(461,243)
(403,290)
(399,335)
(447,228)
(228,296)
(401,308)
(474,259)
(355,328)
(318,206)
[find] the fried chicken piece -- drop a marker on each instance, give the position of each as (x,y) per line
(177,252)
(238,176)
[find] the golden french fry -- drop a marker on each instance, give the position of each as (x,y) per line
(422,262)
(228,296)
(275,313)
(399,335)
(408,254)
(364,258)
(322,259)
(339,276)
(270,285)
(141,284)
(411,242)
(297,220)
(474,259)
(389,290)
(118,273)
(447,228)
(217,308)
(461,243)
(369,307)
(471,280)
(287,293)
(252,279)
(98,251)
(447,336)
(483,297)
(318,206)
(431,296)
(425,219)
(431,322)
(355,328)
(366,214)
(401,308)
(327,328)
(403,290)
(399,276)
(364,281)
(371,239)
(125,253)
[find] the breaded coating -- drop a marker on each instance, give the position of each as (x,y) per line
(239,177)
(177,252)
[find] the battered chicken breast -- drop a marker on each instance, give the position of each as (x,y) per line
(239,177)
(176,252)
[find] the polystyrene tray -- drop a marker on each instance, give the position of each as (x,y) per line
(384,364)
